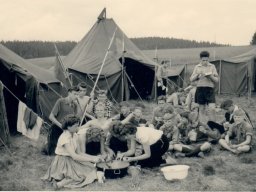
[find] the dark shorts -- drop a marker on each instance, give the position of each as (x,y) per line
(204,95)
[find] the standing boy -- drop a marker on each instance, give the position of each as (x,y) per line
(206,76)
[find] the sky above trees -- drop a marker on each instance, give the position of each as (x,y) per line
(221,21)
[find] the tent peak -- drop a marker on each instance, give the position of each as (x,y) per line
(102,15)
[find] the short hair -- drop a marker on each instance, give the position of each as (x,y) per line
(117,129)
(73,88)
(168,116)
(204,54)
(226,104)
(102,91)
(168,108)
(185,114)
(94,134)
(124,104)
(129,129)
(68,121)
(99,105)
(239,112)
(139,105)
(82,84)
(158,112)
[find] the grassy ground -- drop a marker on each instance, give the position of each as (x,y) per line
(218,171)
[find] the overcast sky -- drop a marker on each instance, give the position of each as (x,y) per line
(224,21)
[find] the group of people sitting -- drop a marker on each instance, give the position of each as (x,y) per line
(85,132)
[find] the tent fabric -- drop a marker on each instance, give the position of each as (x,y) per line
(175,70)
(237,74)
(87,57)
(42,75)
(4,128)
(26,82)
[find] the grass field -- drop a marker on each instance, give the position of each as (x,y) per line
(218,171)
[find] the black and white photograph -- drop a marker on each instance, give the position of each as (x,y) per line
(127,95)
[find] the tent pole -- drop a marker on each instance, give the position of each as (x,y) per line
(62,65)
(122,82)
(220,77)
(97,79)
(249,73)
(155,84)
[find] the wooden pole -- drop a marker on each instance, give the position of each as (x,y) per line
(220,71)
(98,76)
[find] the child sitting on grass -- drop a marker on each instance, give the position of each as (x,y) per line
(136,117)
(157,119)
(240,133)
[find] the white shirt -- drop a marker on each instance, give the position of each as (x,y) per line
(148,135)
(66,138)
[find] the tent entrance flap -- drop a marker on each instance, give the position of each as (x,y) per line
(142,79)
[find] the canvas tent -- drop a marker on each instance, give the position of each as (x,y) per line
(4,128)
(237,75)
(135,76)
(176,75)
(35,86)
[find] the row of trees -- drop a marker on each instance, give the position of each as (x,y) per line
(149,43)
(36,49)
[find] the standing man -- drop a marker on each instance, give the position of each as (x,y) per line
(83,100)
(206,76)
(161,76)
(63,107)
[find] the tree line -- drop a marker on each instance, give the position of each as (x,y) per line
(36,49)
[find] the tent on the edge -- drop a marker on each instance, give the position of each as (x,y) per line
(237,75)
(133,79)
(33,85)
(4,128)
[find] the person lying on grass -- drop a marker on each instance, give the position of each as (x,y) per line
(239,136)
(71,167)
(154,143)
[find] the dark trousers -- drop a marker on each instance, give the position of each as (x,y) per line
(217,126)
(157,149)
(52,139)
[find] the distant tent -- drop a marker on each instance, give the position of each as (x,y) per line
(125,82)
(237,74)
(176,75)
(34,86)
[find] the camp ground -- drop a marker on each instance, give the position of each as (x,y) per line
(105,58)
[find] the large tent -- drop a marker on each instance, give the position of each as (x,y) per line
(237,74)
(127,73)
(28,83)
